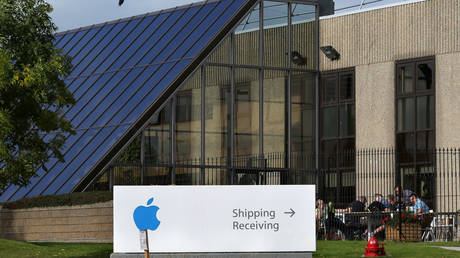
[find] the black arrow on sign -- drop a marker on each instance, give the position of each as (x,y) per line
(292,212)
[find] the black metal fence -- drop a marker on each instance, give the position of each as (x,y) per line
(340,178)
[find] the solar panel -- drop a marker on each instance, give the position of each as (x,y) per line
(120,69)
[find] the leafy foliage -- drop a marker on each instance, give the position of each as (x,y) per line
(33,94)
(406,217)
(60,200)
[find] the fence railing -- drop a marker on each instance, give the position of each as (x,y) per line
(340,178)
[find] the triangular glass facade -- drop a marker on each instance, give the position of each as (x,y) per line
(120,70)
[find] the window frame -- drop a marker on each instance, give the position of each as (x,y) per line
(338,102)
(413,160)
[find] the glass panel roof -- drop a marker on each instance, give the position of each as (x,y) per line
(120,69)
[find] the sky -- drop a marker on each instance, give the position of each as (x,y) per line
(71,14)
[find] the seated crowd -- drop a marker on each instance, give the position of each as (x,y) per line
(356,227)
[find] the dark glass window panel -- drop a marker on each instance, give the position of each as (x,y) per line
(188,120)
(74,84)
(110,47)
(84,93)
(84,84)
(425,140)
(8,192)
(183,36)
(64,40)
(56,40)
(157,138)
(408,176)
(328,157)
(80,61)
(86,116)
(96,149)
(95,137)
(406,114)
(425,76)
(125,92)
(217,104)
(73,41)
(346,154)
(94,54)
(87,39)
(108,98)
(425,146)
(329,89)
(347,87)
(155,37)
(405,146)
(166,43)
(144,96)
(426,184)
(405,83)
(302,13)
(329,122)
(347,120)
(274,113)
(209,12)
(214,28)
(303,118)
(247,129)
(425,112)
(134,27)
(76,140)
(144,30)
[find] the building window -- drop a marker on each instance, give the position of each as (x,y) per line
(415,125)
(337,133)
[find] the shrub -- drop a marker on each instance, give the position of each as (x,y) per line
(70,199)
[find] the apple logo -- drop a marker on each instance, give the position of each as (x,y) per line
(146,217)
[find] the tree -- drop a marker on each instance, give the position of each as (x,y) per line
(33,95)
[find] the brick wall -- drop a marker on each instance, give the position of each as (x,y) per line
(86,223)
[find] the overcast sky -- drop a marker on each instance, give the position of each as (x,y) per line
(71,14)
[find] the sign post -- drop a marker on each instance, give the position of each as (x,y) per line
(215,219)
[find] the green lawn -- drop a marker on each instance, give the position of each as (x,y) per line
(341,249)
(395,249)
(10,248)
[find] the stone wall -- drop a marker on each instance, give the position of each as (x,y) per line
(86,223)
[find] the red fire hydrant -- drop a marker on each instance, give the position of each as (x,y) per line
(373,249)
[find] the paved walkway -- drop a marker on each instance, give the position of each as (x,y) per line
(453,248)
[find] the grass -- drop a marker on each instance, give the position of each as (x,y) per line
(341,249)
(395,249)
(10,248)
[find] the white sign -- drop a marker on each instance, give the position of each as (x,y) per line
(215,218)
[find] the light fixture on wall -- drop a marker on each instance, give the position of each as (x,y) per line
(297,58)
(330,52)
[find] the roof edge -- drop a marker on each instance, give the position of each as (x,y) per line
(135,17)
(369,9)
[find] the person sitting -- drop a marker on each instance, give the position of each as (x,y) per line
(419,206)
(376,206)
(389,203)
(358,205)
(402,197)
(353,221)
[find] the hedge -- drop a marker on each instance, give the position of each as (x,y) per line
(60,200)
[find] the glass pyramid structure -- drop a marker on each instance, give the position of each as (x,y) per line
(123,72)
